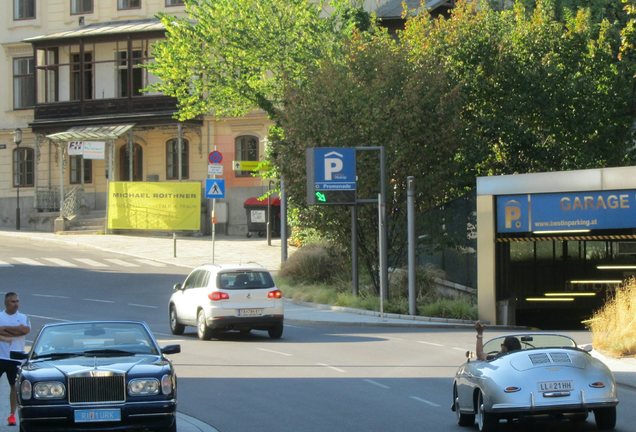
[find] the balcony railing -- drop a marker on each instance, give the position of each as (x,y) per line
(101,107)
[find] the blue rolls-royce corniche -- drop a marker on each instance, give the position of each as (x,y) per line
(97,375)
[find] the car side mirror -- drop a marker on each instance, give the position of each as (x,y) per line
(171,349)
(18,355)
(176,287)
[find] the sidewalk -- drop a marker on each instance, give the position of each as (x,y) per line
(193,251)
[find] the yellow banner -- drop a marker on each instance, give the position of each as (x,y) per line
(250,165)
(154,206)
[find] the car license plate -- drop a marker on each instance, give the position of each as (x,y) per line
(549,386)
(250,312)
(97,415)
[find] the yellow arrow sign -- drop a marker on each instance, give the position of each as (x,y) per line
(248,165)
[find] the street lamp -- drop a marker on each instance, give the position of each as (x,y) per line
(17,139)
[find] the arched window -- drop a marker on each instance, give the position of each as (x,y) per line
(137,163)
(23,167)
(246,149)
(172,159)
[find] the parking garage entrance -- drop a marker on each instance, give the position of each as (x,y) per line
(557,250)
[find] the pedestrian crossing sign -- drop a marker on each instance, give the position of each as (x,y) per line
(215,188)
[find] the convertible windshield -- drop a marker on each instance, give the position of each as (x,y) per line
(93,338)
(532,340)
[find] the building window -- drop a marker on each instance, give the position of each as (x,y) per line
(76,74)
(76,170)
(128,4)
(81,6)
(23,83)
(172,160)
(23,9)
(125,163)
(23,166)
(48,75)
(246,148)
(130,81)
(174,3)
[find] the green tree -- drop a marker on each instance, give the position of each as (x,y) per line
(230,56)
(541,94)
(373,97)
(483,92)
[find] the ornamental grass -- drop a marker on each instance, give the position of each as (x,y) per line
(614,325)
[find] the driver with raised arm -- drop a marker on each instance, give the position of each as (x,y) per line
(510,343)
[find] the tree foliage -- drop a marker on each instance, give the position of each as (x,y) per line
(483,92)
(230,56)
(375,97)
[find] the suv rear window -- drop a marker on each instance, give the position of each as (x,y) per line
(244,280)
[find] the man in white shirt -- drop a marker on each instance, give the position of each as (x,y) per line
(13,327)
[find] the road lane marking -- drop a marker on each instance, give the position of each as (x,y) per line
(275,352)
(460,349)
(427,402)
(28,261)
(90,262)
(98,300)
(375,383)
(332,367)
(120,262)
(50,296)
(48,318)
(60,262)
(143,306)
(430,343)
(5,264)
(150,263)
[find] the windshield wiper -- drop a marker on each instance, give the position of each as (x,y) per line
(107,352)
(56,355)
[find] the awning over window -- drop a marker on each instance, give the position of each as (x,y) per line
(91,133)
(103,29)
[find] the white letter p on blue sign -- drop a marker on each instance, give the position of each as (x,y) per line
(332,165)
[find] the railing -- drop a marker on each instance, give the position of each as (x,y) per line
(92,107)
(47,200)
(73,201)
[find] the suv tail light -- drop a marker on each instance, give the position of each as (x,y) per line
(276,294)
(218,295)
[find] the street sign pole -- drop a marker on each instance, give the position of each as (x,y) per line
(214,159)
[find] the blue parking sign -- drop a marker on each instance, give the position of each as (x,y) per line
(334,168)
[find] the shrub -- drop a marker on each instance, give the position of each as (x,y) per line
(315,263)
(614,325)
(424,285)
(449,308)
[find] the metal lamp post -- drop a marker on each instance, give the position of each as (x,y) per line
(17,139)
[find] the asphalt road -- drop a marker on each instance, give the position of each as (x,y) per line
(317,378)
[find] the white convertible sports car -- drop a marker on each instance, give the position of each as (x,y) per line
(550,377)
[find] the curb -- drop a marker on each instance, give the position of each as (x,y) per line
(385,315)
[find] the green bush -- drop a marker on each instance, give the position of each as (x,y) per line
(315,263)
(449,308)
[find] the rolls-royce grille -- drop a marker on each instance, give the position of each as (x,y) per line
(97,389)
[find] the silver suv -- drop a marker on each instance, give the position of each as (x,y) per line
(218,298)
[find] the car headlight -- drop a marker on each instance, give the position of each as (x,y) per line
(48,390)
(25,390)
(143,387)
(166,384)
